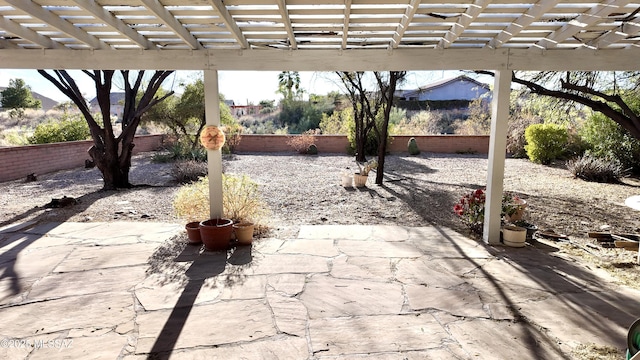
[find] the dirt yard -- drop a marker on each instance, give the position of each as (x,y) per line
(298,189)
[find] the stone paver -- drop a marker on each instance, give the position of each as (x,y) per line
(333,292)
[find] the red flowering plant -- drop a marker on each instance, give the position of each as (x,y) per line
(470,209)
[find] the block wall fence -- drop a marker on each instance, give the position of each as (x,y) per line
(339,143)
(20,161)
(17,162)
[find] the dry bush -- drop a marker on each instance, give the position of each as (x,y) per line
(187,171)
(301,143)
(591,168)
(241,200)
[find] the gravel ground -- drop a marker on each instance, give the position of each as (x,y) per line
(298,189)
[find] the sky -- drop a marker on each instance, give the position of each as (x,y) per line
(242,87)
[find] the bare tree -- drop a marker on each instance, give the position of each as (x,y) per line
(600,91)
(387,87)
(111,153)
(368,106)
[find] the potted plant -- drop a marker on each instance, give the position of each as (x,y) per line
(514,236)
(470,209)
(216,233)
(512,207)
(360,178)
(193,232)
(244,232)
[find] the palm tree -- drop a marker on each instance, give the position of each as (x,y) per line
(288,81)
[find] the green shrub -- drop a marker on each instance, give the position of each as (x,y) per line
(70,128)
(241,200)
(412,147)
(591,168)
(545,142)
(607,139)
(181,150)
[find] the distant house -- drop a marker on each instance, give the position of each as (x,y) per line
(239,111)
(461,89)
(117,104)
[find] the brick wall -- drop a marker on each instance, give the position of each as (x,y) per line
(339,143)
(17,162)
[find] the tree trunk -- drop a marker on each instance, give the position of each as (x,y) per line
(113,166)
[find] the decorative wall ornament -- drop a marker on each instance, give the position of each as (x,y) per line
(212,137)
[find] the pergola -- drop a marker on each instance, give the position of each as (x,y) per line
(327,35)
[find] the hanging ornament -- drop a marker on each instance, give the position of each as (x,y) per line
(212,138)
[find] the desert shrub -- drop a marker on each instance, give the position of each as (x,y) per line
(545,142)
(187,171)
(17,137)
(241,200)
(591,168)
(70,128)
(233,136)
(421,123)
(301,143)
(181,150)
(606,139)
(338,122)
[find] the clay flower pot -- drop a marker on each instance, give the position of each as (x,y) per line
(244,232)
(193,232)
(216,233)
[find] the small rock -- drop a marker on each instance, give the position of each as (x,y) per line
(323,219)
(605,227)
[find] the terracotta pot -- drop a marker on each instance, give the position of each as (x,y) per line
(360,180)
(216,233)
(193,232)
(244,232)
(514,236)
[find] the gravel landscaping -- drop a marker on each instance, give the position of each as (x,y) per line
(417,191)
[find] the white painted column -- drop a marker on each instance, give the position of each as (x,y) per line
(214,157)
(497,153)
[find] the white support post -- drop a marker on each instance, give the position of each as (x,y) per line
(214,157)
(497,152)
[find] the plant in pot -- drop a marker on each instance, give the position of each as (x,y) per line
(360,178)
(241,201)
(470,209)
(192,203)
(512,207)
(244,205)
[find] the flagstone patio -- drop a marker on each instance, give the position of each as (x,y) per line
(124,290)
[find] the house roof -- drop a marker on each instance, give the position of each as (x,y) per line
(320,35)
(439,84)
(445,82)
(114,98)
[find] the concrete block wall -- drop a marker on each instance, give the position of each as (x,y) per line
(278,143)
(20,161)
(339,143)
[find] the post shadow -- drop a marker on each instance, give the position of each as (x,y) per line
(206,264)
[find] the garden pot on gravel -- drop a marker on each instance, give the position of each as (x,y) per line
(360,180)
(514,236)
(244,232)
(216,233)
(193,232)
